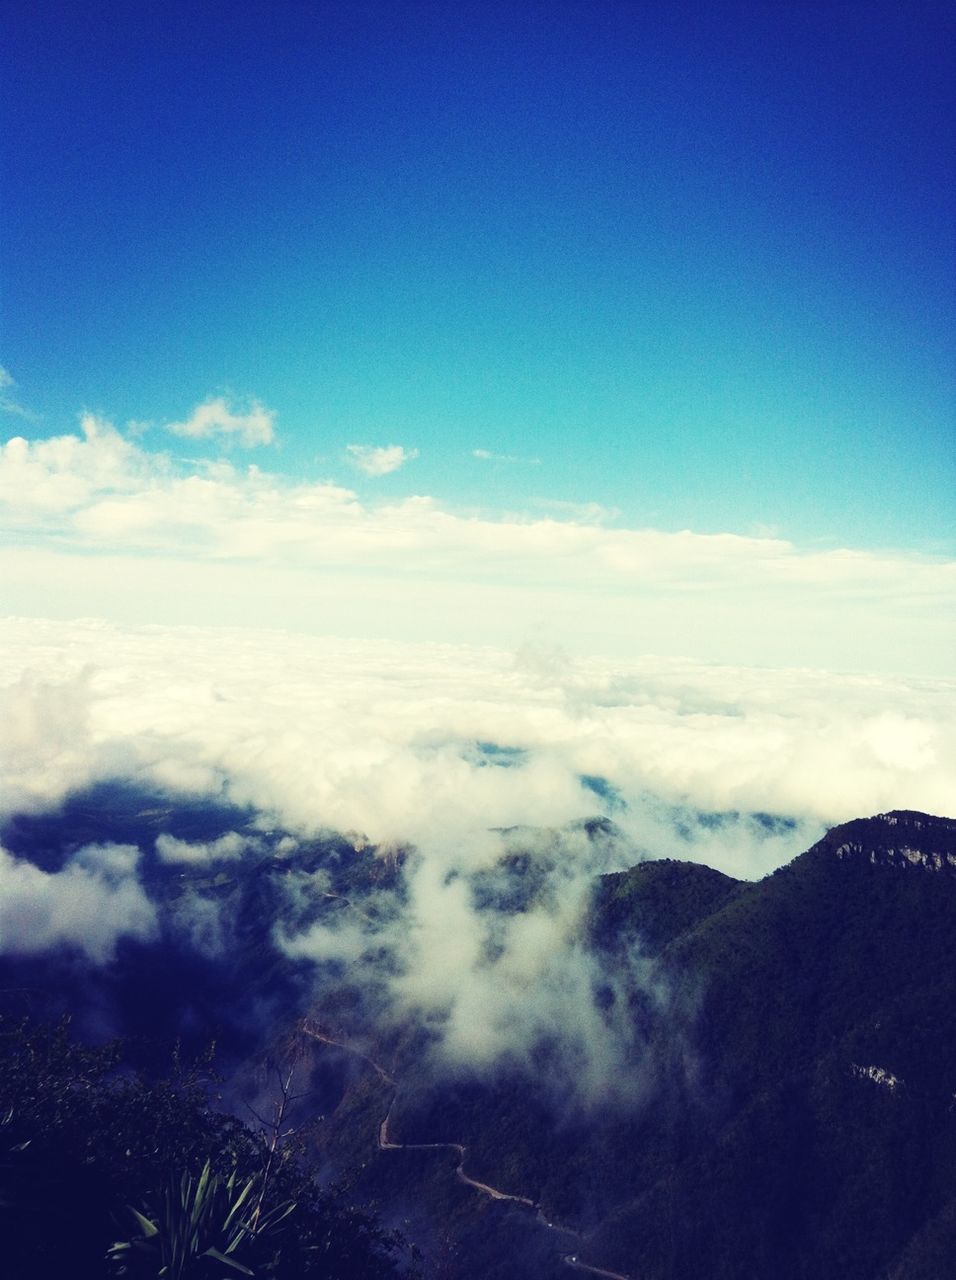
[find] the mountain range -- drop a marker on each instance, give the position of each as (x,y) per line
(778,1087)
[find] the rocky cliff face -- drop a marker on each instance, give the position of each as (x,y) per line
(901,838)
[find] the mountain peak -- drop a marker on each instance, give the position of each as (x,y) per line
(901,838)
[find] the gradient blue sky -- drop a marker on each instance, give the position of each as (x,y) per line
(684,275)
(696,259)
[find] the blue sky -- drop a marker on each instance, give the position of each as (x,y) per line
(698,260)
(379,379)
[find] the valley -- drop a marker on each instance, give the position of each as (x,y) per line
(719,1057)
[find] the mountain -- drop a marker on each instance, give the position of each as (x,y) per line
(796,1113)
(777,1084)
(827,1069)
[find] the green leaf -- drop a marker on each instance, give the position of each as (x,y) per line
(238,1202)
(212,1252)
(149,1229)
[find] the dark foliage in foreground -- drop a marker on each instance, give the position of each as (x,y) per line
(84,1142)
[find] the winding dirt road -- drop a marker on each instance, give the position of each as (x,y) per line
(495,1193)
(384,1144)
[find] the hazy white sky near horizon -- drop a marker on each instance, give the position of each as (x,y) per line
(101,522)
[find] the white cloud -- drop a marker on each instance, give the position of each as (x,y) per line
(226,848)
(7,402)
(215,417)
(399,742)
(92,902)
(497,982)
(472,628)
(374,460)
(382,738)
(45,738)
(95,523)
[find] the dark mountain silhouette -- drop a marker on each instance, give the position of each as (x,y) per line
(785,1102)
(827,1066)
(797,1116)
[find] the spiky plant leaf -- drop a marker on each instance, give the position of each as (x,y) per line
(212,1252)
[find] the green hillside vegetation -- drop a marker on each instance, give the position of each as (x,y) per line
(798,1060)
(655,902)
(827,1048)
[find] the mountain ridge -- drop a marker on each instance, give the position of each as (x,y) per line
(782,1101)
(882,839)
(862,1023)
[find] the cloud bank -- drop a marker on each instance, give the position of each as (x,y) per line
(95,524)
(481,766)
(409,742)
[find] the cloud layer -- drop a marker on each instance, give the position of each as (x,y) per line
(467,759)
(94,523)
(467,711)
(409,742)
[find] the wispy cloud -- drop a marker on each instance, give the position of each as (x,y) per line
(379,460)
(7,402)
(226,848)
(96,899)
(251,425)
(487,455)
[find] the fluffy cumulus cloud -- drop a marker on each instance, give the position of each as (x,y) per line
(216,417)
(379,460)
(88,905)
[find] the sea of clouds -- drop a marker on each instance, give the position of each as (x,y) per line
(386,739)
(438,748)
(221,664)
